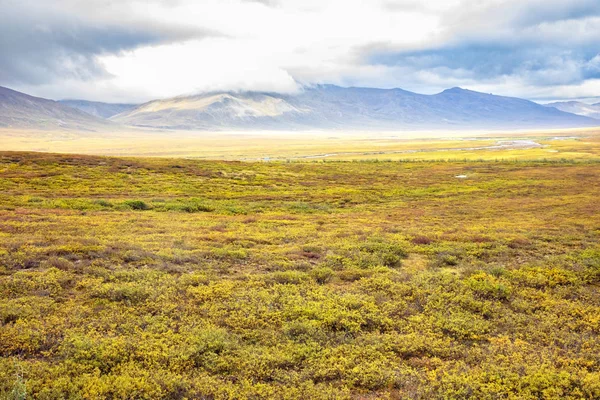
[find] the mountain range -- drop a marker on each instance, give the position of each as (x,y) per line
(98,109)
(577,107)
(318,107)
(333,107)
(19,110)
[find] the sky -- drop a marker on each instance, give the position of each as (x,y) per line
(135,51)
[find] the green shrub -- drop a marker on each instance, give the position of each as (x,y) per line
(446,260)
(463,325)
(19,389)
(540,277)
(128,292)
(591,261)
(322,274)
(302,330)
(289,277)
(58,262)
(189,206)
(192,208)
(194,279)
(353,274)
(488,286)
(103,203)
(225,253)
(136,205)
(211,340)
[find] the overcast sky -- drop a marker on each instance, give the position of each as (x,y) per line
(133,51)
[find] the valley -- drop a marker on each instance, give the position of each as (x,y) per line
(299,200)
(175,278)
(140,262)
(312,145)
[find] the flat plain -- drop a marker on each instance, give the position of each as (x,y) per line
(448,272)
(311,145)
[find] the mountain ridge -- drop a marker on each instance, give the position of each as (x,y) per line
(316,107)
(578,108)
(20,110)
(98,108)
(334,107)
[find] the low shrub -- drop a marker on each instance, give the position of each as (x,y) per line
(421,240)
(136,205)
(289,277)
(322,274)
(488,286)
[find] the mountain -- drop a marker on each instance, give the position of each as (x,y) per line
(216,110)
(319,107)
(577,107)
(333,107)
(19,110)
(98,109)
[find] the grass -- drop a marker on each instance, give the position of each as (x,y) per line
(136,278)
(583,144)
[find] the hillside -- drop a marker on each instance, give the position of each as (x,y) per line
(98,109)
(333,107)
(320,107)
(577,107)
(21,111)
(132,278)
(215,110)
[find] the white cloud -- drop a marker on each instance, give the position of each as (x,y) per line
(274,45)
(264,45)
(193,66)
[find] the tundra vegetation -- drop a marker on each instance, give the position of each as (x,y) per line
(171,278)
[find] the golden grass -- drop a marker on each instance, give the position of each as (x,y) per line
(146,278)
(330,145)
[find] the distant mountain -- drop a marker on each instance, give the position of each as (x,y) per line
(216,110)
(320,107)
(19,110)
(577,107)
(333,107)
(102,110)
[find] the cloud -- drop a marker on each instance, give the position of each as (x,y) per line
(268,3)
(536,43)
(42,41)
(135,50)
(546,65)
(490,15)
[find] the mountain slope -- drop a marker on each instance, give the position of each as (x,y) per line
(333,107)
(98,109)
(213,110)
(577,107)
(19,110)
